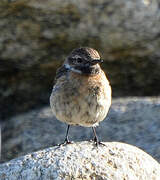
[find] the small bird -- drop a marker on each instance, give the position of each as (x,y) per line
(81,94)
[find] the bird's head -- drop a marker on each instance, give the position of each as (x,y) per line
(84,60)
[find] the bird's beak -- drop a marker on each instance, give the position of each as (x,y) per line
(95,61)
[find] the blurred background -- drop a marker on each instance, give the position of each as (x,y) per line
(37,35)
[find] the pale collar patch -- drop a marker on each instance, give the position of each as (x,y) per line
(72,69)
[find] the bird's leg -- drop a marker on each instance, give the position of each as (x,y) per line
(66,141)
(96,140)
(95,135)
(66,138)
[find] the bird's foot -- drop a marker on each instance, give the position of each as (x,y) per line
(97,142)
(65,142)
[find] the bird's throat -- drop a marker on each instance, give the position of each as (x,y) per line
(86,70)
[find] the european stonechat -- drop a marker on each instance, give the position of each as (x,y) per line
(81,94)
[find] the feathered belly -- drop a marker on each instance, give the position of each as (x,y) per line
(78,107)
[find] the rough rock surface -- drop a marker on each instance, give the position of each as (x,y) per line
(35,37)
(135,121)
(83,161)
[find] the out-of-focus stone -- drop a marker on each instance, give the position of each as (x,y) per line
(130,120)
(35,38)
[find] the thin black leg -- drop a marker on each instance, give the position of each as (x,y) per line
(66,141)
(66,138)
(96,140)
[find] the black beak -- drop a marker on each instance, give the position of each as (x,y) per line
(95,61)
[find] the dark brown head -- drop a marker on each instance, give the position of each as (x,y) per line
(84,60)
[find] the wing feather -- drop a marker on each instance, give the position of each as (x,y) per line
(61,72)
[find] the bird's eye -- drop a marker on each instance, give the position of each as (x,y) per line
(79,60)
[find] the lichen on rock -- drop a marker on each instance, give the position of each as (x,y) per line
(83,160)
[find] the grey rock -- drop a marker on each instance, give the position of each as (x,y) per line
(131,120)
(83,161)
(35,38)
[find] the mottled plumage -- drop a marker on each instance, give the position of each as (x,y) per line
(81,94)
